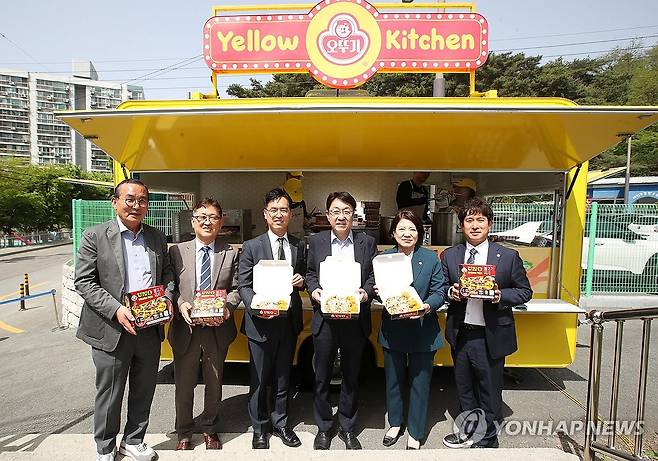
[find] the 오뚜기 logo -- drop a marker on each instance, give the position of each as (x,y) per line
(343,43)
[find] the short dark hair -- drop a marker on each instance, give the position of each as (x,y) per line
(345,197)
(276,194)
(115,192)
(413,217)
(206,202)
(475,205)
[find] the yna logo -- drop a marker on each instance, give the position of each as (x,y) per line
(472,424)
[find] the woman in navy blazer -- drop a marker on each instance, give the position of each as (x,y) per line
(410,344)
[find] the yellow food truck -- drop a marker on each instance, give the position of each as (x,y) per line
(237,149)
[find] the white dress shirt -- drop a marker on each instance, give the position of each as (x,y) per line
(274,243)
(199,259)
(344,248)
(474,314)
(135,258)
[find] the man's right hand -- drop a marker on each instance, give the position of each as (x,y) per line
(126,319)
(453,293)
(317,295)
(184,309)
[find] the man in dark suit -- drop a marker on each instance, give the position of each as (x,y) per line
(117,257)
(329,335)
(205,263)
(272,339)
(480,332)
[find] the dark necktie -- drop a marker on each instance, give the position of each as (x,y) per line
(281,254)
(471,258)
(204,284)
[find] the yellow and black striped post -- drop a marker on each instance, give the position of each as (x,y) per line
(26,283)
(22,291)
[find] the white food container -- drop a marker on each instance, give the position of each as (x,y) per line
(393,277)
(340,279)
(273,286)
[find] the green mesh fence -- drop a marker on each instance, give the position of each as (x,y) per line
(625,247)
(87,213)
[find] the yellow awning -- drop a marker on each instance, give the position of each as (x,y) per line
(468,134)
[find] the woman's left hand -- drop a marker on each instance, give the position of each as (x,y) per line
(421,313)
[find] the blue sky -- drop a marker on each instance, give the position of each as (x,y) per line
(128,39)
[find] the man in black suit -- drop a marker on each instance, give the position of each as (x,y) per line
(480,332)
(272,340)
(328,334)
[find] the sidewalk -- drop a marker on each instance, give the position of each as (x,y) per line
(74,447)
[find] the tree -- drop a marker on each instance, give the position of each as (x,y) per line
(32,198)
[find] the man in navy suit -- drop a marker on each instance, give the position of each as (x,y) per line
(480,332)
(272,340)
(331,334)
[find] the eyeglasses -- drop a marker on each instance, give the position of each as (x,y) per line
(273,211)
(131,201)
(335,212)
(213,219)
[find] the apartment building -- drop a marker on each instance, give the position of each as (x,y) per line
(28,127)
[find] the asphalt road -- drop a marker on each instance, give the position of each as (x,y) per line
(47,381)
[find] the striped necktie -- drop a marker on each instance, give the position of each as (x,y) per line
(471,258)
(204,284)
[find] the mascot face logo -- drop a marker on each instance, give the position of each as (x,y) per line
(343,43)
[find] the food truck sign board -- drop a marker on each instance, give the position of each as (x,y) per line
(343,43)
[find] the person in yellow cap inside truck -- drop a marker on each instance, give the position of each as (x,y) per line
(462,190)
(293,186)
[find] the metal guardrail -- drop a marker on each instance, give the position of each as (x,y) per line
(34,238)
(598,319)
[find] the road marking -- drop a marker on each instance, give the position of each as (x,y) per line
(7,296)
(9,328)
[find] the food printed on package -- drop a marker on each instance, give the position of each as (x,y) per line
(271,307)
(148,306)
(208,304)
(477,281)
(340,306)
(403,305)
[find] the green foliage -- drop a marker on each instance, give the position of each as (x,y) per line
(622,77)
(32,198)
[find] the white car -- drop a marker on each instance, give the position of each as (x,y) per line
(646,225)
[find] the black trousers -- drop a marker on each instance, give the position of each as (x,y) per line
(135,360)
(269,365)
(348,336)
(478,377)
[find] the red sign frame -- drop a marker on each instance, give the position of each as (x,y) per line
(343,43)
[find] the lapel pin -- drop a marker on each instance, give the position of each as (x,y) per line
(420,263)
(498,255)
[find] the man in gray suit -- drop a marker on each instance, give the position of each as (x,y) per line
(205,263)
(272,340)
(117,257)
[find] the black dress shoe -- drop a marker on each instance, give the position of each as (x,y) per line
(390,441)
(260,441)
(287,436)
(323,440)
(351,442)
(486,443)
